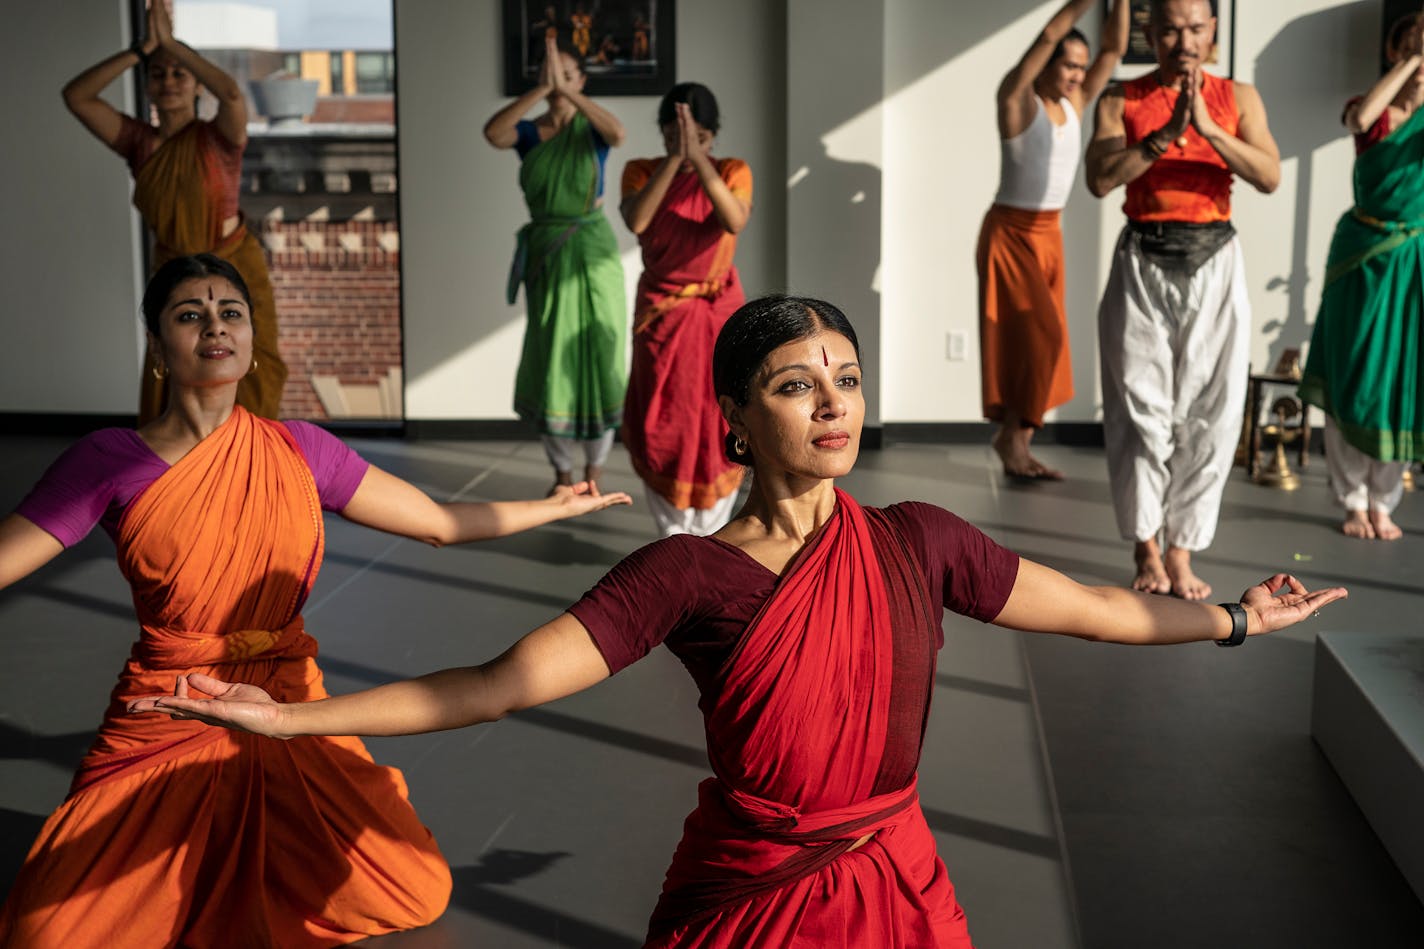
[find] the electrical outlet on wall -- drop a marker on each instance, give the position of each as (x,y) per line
(956,346)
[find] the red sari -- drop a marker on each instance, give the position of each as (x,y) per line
(671,423)
(177,834)
(813,731)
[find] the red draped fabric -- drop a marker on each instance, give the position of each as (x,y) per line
(813,735)
(671,423)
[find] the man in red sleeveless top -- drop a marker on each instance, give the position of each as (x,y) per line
(1174,323)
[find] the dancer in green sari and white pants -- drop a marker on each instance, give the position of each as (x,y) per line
(1364,367)
(573,370)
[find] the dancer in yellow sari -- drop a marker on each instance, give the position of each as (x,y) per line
(186,177)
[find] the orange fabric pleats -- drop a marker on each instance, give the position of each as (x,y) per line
(175,834)
(1027,368)
(177,191)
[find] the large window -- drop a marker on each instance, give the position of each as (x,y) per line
(319,187)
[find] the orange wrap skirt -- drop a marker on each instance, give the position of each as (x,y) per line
(1023,330)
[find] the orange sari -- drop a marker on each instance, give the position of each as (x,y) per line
(175,833)
(671,424)
(176,191)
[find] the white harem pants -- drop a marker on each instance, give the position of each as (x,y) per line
(1174,363)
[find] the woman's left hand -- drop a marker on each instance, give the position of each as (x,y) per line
(160,22)
(583,498)
(238,706)
(1267,612)
(555,59)
(694,146)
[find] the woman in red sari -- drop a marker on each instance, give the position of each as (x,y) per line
(216,839)
(687,209)
(810,625)
(187,174)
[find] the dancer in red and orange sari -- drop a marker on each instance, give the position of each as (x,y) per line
(811,626)
(187,178)
(687,209)
(183,835)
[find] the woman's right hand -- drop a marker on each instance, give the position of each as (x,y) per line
(160,26)
(238,706)
(553,75)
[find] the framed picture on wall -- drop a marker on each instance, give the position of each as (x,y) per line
(1141,57)
(627,46)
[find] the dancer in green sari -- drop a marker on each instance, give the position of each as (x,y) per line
(572,372)
(1364,365)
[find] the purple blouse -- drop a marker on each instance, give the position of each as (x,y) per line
(699,594)
(96,478)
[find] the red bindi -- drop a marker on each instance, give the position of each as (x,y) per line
(210,295)
(824,358)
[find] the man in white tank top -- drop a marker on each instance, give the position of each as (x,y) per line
(1023,331)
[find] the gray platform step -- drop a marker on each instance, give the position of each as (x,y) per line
(1368,717)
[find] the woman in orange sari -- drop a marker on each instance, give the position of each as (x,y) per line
(183,835)
(810,625)
(687,209)
(187,173)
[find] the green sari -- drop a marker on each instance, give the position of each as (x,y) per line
(573,369)
(1364,368)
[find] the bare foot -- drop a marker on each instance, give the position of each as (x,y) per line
(1011,445)
(591,474)
(1357,524)
(1384,525)
(1185,583)
(562,479)
(1151,574)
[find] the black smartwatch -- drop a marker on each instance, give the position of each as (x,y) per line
(1238,625)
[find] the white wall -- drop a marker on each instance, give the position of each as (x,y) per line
(898,172)
(68,262)
(835,64)
(943,62)
(460,203)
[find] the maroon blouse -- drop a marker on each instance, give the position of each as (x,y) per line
(698,594)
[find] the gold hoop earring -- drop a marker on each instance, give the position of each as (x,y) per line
(160,371)
(739,447)
(254,366)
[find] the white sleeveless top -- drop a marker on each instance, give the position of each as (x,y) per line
(1037,166)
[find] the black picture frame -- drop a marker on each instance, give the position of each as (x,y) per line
(628,46)
(1141,58)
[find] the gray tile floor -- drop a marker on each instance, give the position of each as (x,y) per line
(1082,795)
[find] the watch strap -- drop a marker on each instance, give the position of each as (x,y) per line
(1237,612)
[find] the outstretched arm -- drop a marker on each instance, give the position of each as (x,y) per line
(1111,47)
(555,660)
(1045,601)
(1015,95)
(390,504)
(24,548)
